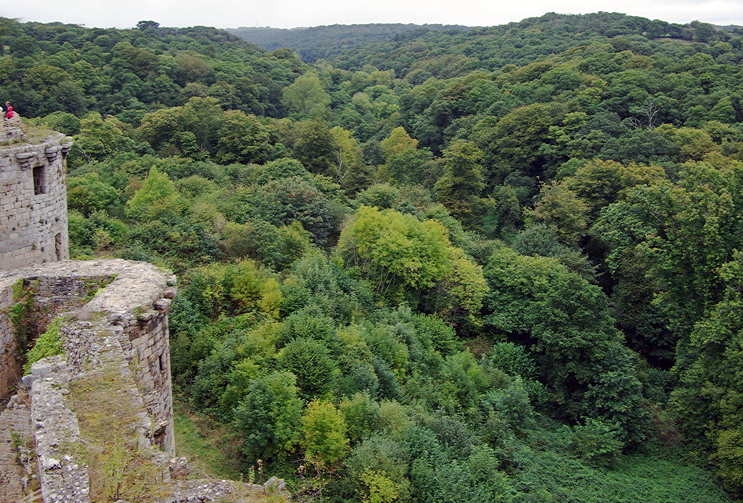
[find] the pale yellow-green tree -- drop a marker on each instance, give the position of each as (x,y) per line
(561,208)
(348,165)
(395,251)
(306,96)
(379,488)
(397,142)
(324,429)
(156,199)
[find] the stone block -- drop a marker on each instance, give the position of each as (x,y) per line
(163,304)
(41,368)
(179,469)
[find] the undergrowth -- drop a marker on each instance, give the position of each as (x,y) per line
(47,344)
(207,447)
(20,313)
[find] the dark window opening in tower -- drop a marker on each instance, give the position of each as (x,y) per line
(39,180)
(58,245)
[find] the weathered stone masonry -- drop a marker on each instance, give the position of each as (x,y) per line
(120,337)
(130,333)
(33,202)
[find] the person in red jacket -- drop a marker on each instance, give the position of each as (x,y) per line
(8,110)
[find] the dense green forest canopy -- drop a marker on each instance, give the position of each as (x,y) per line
(492,264)
(319,42)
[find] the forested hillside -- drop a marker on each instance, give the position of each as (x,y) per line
(320,42)
(499,264)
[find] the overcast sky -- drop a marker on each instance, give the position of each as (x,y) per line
(294,13)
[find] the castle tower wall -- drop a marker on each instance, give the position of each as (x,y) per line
(33,202)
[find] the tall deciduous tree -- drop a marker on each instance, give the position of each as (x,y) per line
(269,417)
(158,197)
(348,167)
(306,96)
(314,146)
(463,181)
(242,138)
(398,142)
(395,251)
(709,398)
(536,300)
(561,208)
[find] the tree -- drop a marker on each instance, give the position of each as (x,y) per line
(597,183)
(686,230)
(99,137)
(203,117)
(403,160)
(294,199)
(709,398)
(88,194)
(250,288)
(540,239)
(315,147)
(459,295)
(192,68)
(378,467)
(536,300)
(395,251)
(242,138)
(269,417)
(67,96)
(514,143)
(361,413)
(348,169)
(324,429)
(306,96)
(564,210)
(146,25)
(142,62)
(157,198)
(729,456)
(460,187)
(463,382)
(63,122)
(398,142)
(159,127)
(379,488)
(311,362)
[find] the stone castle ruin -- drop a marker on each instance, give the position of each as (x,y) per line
(92,419)
(33,197)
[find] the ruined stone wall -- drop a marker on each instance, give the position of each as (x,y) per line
(33,202)
(138,301)
(135,298)
(110,393)
(127,301)
(17,482)
(10,361)
(49,295)
(145,341)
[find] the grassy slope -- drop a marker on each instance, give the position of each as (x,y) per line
(206,445)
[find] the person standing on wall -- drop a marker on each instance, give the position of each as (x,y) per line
(8,110)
